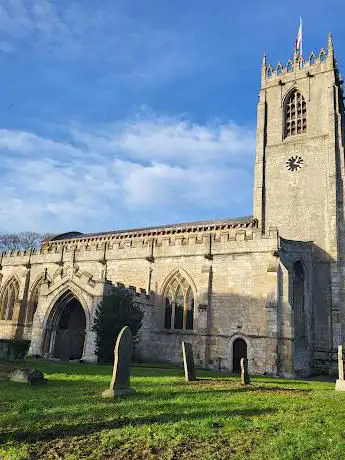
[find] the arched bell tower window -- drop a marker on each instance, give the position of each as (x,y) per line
(178,303)
(295,114)
(8,299)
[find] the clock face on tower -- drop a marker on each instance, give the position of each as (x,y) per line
(294,163)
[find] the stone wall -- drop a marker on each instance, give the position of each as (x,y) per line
(230,272)
(307,204)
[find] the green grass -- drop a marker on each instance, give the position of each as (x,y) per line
(213,418)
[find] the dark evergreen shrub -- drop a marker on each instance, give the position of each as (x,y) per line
(118,309)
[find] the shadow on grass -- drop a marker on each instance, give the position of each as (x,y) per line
(75,388)
(180,384)
(254,382)
(84,402)
(67,431)
(279,381)
(58,367)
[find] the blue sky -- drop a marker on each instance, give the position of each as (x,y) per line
(131,113)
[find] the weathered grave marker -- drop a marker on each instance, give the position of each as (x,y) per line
(188,362)
(340,383)
(245,379)
(28,376)
(119,385)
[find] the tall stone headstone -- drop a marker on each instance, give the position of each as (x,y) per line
(119,385)
(188,362)
(245,379)
(340,383)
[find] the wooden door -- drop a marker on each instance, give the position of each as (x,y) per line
(239,351)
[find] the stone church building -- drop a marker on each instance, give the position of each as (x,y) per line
(270,287)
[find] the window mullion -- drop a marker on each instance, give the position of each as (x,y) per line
(173,314)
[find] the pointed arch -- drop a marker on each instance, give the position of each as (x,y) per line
(289,66)
(270,71)
(65,293)
(295,113)
(179,298)
(322,55)
(8,298)
(33,299)
(312,58)
(182,273)
(66,322)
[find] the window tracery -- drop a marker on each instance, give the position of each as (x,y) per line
(178,304)
(295,114)
(8,299)
(33,302)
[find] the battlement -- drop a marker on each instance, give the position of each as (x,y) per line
(140,294)
(322,61)
(299,64)
(146,248)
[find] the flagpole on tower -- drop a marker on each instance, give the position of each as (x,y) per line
(298,42)
(300,27)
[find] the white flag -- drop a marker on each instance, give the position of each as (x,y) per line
(298,43)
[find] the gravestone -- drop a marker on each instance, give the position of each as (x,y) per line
(188,362)
(340,383)
(28,376)
(245,379)
(119,385)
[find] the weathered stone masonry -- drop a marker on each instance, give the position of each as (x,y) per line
(269,287)
(231,267)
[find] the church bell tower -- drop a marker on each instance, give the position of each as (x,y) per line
(299,158)
(299,170)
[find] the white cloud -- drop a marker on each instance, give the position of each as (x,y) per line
(145,172)
(23,143)
(172,140)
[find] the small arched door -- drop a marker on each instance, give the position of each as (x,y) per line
(239,350)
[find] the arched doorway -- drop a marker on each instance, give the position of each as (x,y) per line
(239,350)
(65,335)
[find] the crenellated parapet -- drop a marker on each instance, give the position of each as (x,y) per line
(299,65)
(140,294)
(147,245)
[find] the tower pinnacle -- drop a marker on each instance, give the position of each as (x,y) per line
(330,43)
(331,59)
(263,68)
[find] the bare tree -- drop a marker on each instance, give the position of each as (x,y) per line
(22,240)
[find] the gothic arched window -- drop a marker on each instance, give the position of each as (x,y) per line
(9,296)
(178,303)
(295,114)
(33,301)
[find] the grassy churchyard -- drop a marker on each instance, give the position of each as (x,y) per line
(168,418)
